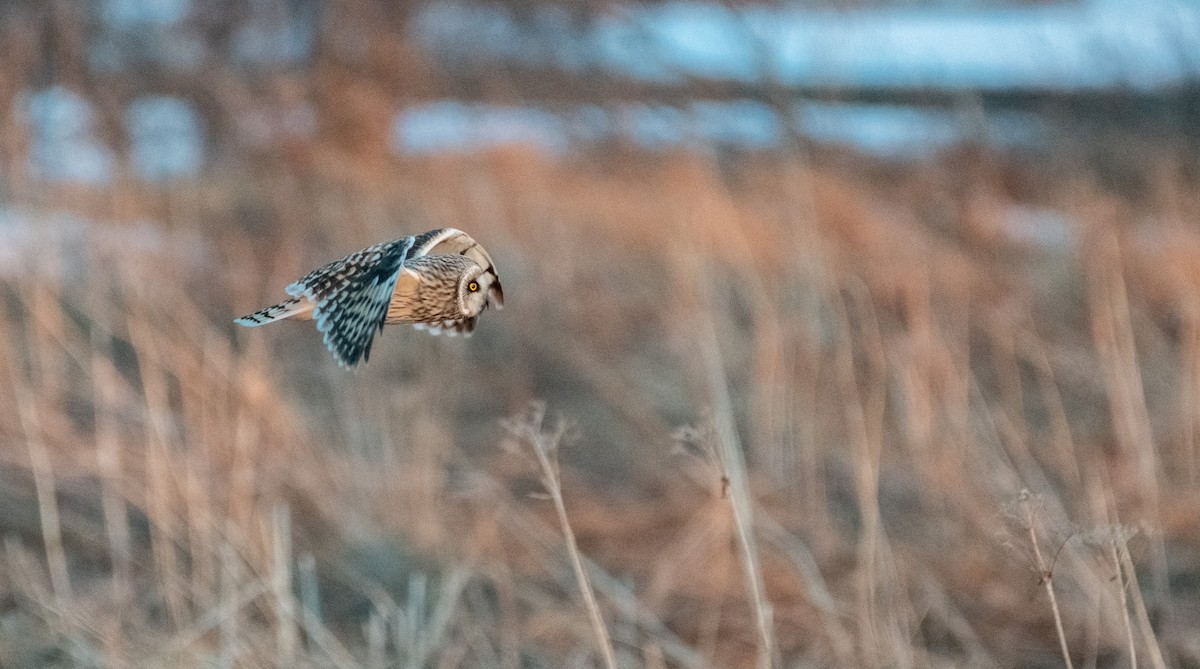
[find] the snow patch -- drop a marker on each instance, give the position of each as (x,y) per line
(884,130)
(457,127)
(64,146)
(1083,45)
(143,12)
(166,138)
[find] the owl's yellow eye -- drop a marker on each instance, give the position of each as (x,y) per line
(473,286)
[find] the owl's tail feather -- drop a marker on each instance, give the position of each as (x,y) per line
(299,308)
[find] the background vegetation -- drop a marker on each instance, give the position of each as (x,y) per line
(813,406)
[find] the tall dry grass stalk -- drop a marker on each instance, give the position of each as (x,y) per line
(1045,571)
(545,444)
(1112,330)
(47,504)
(1122,586)
(733,467)
(286,634)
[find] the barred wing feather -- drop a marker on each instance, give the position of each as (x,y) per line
(352,298)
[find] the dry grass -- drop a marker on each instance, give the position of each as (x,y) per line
(178,491)
(869,363)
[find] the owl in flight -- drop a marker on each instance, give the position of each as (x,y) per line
(437,281)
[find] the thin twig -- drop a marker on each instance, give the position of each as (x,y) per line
(1116,560)
(1046,576)
(734,463)
(545,447)
(281,586)
(1139,608)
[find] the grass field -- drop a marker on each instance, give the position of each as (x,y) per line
(807,415)
(783,409)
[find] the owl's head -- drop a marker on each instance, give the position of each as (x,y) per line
(476,288)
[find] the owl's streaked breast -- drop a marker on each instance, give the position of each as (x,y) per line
(432,295)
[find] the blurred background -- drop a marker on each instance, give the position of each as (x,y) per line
(866,333)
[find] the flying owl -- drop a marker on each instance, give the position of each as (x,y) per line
(438,281)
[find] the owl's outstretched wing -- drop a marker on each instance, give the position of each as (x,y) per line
(452,241)
(352,296)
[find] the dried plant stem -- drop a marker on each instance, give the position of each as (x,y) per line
(617,592)
(286,634)
(1121,585)
(734,465)
(1153,652)
(43,481)
(224,617)
(109,464)
(1046,574)
(552,481)
(730,452)
(864,419)
(1113,333)
(228,619)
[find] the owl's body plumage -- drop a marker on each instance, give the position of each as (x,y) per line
(440,280)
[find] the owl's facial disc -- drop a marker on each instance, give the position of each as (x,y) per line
(473,291)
